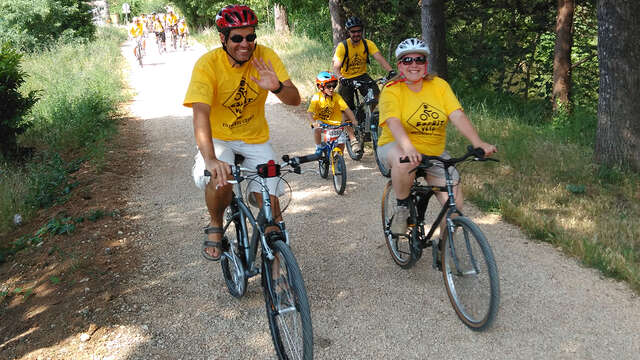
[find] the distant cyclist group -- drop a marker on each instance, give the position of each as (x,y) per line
(228,90)
(162,25)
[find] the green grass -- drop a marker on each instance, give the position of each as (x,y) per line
(546,181)
(80,87)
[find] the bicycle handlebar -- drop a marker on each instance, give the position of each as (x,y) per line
(329,126)
(477,153)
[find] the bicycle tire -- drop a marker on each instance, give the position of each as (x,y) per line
(375,135)
(399,247)
(323,166)
(290,327)
(339,169)
(139,54)
(473,287)
(233,268)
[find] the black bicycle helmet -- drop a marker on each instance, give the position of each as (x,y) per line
(353,22)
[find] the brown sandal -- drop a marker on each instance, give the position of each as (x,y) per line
(209,244)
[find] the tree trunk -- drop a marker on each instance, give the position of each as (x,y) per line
(337,21)
(433,33)
(280,19)
(618,134)
(562,55)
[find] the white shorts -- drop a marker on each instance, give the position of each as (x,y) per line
(437,170)
(254,155)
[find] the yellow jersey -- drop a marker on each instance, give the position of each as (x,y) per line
(172,19)
(237,102)
(424,115)
(182,28)
(136,29)
(327,109)
(357,57)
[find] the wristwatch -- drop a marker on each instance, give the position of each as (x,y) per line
(278,89)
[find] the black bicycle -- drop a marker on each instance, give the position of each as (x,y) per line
(368,117)
(463,255)
(284,292)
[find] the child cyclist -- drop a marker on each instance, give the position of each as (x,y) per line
(330,108)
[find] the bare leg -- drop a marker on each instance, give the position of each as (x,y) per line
(217,201)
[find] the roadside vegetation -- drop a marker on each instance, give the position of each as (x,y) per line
(79,87)
(546,181)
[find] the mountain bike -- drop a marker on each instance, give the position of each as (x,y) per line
(368,117)
(284,292)
(161,48)
(463,254)
(333,157)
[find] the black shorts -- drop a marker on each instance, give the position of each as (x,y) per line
(161,35)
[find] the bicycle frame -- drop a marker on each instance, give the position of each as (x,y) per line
(259,223)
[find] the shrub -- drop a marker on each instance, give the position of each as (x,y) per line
(13,105)
(32,25)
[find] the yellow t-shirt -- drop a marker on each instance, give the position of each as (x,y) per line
(237,102)
(182,28)
(157,26)
(424,115)
(357,58)
(136,29)
(327,109)
(172,19)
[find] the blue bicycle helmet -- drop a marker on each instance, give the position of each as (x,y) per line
(325,77)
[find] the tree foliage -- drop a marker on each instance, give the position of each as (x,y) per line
(32,25)
(13,105)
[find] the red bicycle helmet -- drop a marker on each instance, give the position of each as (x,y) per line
(235,16)
(325,77)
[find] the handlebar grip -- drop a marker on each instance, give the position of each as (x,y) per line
(207,173)
(477,152)
(308,158)
(404,159)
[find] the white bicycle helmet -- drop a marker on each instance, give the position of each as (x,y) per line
(410,46)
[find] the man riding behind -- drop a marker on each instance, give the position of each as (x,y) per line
(350,61)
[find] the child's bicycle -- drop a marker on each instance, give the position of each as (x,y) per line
(463,254)
(332,156)
(283,288)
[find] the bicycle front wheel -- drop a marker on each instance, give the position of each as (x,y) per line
(375,135)
(323,166)
(233,269)
(399,246)
(470,274)
(287,304)
(339,173)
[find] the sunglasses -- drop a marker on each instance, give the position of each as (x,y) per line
(238,38)
(356,31)
(331,85)
(419,60)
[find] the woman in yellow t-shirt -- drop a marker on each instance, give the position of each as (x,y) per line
(328,107)
(414,112)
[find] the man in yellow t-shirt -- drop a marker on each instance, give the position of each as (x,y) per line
(329,108)
(354,66)
(228,91)
(137,31)
(158,29)
(183,32)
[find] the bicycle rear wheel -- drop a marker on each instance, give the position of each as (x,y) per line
(339,169)
(287,304)
(233,269)
(375,135)
(399,246)
(139,54)
(470,275)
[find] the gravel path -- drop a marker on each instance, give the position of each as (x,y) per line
(363,306)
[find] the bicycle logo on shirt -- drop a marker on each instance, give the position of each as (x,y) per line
(241,97)
(427,119)
(325,113)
